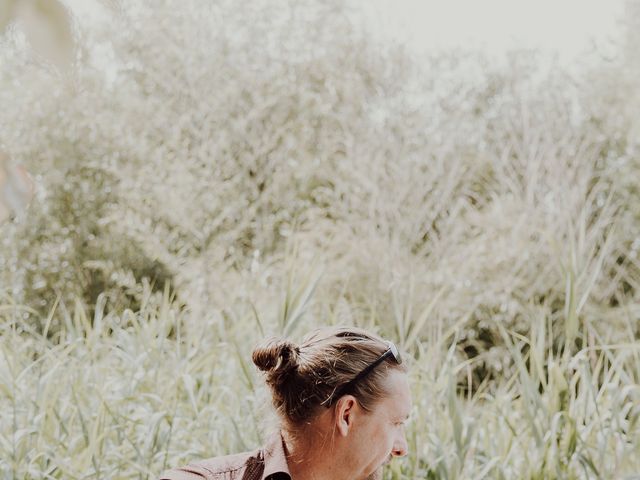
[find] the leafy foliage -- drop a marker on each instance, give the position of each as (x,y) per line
(484,212)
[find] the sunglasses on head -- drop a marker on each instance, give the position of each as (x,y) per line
(391,352)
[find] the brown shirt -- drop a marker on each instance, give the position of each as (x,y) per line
(267,463)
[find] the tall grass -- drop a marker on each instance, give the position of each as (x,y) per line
(127,396)
(280,169)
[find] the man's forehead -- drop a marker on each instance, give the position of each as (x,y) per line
(399,399)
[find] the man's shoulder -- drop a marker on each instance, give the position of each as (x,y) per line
(238,465)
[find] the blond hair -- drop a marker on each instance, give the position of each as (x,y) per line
(305,378)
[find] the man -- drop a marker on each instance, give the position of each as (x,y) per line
(343,398)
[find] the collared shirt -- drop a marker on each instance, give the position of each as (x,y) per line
(267,463)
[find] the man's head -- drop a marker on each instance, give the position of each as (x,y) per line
(345,386)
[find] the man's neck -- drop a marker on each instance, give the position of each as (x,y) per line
(315,460)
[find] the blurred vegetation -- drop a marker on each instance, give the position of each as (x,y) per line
(277,159)
(201,146)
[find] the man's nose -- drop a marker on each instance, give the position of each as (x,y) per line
(400,447)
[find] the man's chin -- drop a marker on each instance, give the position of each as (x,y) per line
(377,475)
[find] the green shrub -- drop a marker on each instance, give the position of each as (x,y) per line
(207,146)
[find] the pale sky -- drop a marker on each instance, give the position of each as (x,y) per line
(565,27)
(568,28)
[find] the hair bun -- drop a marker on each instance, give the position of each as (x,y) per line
(277,357)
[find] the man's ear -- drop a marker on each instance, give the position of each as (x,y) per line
(346,412)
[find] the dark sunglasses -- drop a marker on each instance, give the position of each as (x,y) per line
(392,352)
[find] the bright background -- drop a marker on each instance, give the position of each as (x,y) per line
(203,174)
(566,27)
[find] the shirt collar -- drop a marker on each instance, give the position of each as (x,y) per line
(275,459)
